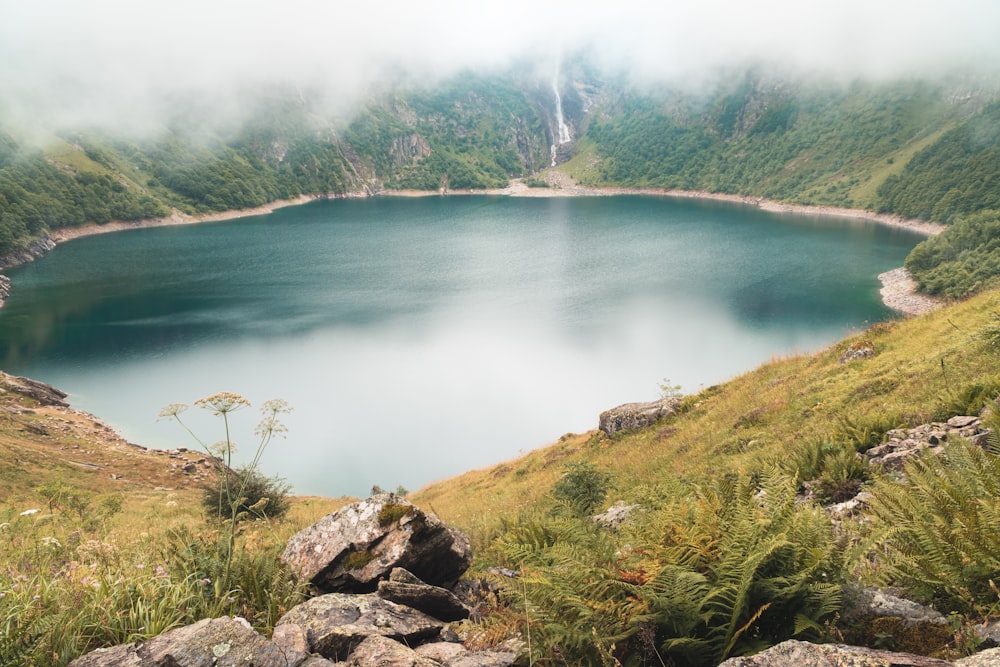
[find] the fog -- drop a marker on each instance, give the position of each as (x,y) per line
(125,64)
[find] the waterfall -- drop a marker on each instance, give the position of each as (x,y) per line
(562,129)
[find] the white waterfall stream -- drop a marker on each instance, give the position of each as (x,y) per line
(562,129)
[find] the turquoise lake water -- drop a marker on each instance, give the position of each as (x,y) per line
(419,338)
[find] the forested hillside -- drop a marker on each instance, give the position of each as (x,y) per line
(922,149)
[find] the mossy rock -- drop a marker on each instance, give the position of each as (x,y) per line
(392,512)
(894,634)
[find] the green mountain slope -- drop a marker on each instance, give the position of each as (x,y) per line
(923,149)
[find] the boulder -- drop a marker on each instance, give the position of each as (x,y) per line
(442,653)
(795,653)
(483,659)
(989,658)
(863,349)
(355,547)
(383,652)
(862,603)
(43,393)
(380,651)
(615,516)
(220,642)
(337,623)
(406,589)
(631,416)
(988,635)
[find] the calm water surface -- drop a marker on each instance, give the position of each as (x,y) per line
(418,338)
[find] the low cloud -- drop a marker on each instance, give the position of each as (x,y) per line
(123,63)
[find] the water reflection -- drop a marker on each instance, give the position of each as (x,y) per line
(420,338)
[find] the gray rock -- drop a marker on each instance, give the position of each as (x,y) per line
(989,635)
(406,589)
(988,658)
(291,636)
(442,653)
(616,515)
(875,603)
(962,421)
(794,653)
(861,350)
(353,548)
(903,444)
(483,659)
(632,416)
(212,642)
(43,393)
(335,624)
(383,652)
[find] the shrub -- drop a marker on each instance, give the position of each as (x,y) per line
(582,488)
(725,570)
(259,496)
(843,474)
(967,400)
(864,432)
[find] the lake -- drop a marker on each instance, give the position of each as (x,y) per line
(417,338)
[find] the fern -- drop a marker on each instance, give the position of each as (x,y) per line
(938,529)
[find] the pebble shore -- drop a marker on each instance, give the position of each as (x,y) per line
(899,292)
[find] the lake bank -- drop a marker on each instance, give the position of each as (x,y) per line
(561,185)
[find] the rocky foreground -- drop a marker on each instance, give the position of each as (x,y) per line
(385,579)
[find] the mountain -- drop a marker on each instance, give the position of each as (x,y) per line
(927,149)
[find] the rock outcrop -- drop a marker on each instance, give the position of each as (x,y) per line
(404,588)
(222,642)
(354,548)
(404,624)
(874,602)
(336,623)
(861,350)
(34,250)
(631,416)
(615,516)
(903,444)
(43,393)
(794,653)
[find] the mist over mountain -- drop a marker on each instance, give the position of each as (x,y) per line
(128,66)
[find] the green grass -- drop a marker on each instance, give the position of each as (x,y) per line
(72,582)
(865,193)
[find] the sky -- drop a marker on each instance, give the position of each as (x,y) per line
(117,61)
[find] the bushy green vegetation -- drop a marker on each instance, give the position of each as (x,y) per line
(714,571)
(260,496)
(961,261)
(581,489)
(770,138)
(36,196)
(937,531)
(955,176)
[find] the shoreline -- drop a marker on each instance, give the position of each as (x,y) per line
(898,290)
